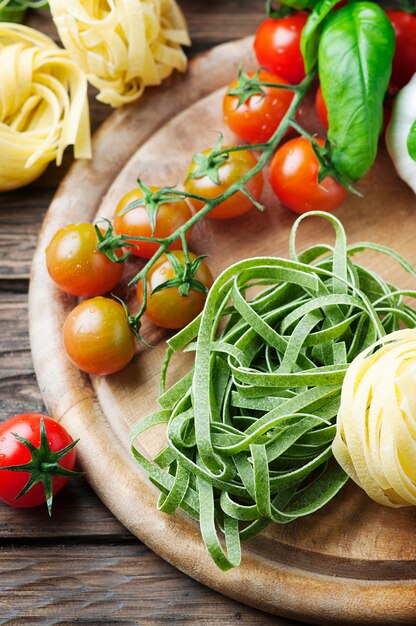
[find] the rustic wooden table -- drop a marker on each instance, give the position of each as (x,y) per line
(82,565)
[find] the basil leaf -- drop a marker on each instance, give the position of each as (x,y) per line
(355,56)
(312,32)
(411,141)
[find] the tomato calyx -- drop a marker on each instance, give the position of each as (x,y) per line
(152,199)
(43,465)
(108,242)
(209,163)
(249,86)
(184,278)
(323,155)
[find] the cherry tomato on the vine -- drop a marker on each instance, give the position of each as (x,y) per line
(236,166)
(97,337)
(75,264)
(321,109)
(277,46)
(257,119)
(167,308)
(13,452)
(404,60)
(294,178)
(136,222)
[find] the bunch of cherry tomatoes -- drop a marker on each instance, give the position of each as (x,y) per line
(98,335)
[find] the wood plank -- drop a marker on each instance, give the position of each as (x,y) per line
(107,584)
(77,514)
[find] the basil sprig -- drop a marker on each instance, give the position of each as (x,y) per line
(249,427)
(355,59)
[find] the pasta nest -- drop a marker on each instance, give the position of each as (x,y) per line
(43,105)
(122,45)
(375,441)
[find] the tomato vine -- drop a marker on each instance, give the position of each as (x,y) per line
(110,241)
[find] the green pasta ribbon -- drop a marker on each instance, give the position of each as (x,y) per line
(249,428)
(15,10)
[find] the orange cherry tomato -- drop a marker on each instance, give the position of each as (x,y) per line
(75,264)
(170,216)
(257,119)
(238,164)
(294,178)
(167,308)
(97,337)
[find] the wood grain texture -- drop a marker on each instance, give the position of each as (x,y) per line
(95,587)
(351,563)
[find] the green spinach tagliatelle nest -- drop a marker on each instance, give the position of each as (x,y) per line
(250,427)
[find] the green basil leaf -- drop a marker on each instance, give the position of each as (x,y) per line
(355,56)
(411,141)
(312,32)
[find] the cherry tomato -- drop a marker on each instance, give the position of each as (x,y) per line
(294,178)
(170,216)
(257,119)
(167,308)
(75,264)
(97,337)
(238,164)
(277,46)
(320,106)
(404,61)
(13,452)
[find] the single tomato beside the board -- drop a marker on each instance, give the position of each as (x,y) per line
(277,46)
(136,222)
(229,172)
(44,449)
(97,336)
(75,264)
(257,118)
(168,308)
(294,179)
(404,60)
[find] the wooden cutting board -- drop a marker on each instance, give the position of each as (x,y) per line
(352,562)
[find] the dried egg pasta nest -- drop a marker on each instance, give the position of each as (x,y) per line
(376,426)
(43,105)
(123,45)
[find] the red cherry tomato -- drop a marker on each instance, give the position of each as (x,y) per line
(238,164)
(136,222)
(277,46)
(257,119)
(97,337)
(294,178)
(320,106)
(75,264)
(404,61)
(13,452)
(167,308)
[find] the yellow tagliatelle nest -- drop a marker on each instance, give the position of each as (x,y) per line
(122,45)
(43,105)
(376,426)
